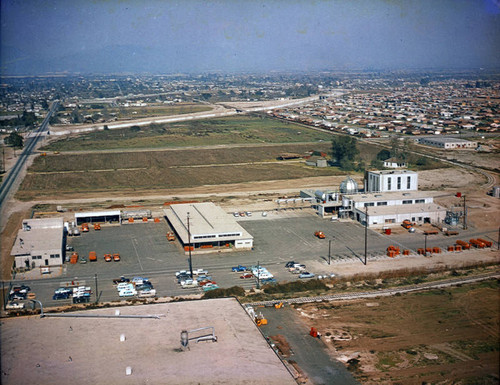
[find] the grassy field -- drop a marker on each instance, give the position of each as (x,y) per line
(231,130)
(141,112)
(149,170)
(441,336)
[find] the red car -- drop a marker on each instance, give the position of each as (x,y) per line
(246,275)
(206,281)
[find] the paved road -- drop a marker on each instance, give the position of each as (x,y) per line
(310,353)
(9,184)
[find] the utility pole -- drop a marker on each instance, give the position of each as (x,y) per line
(425,245)
(366,232)
(96,290)
(189,248)
(329,251)
(465,216)
(258,274)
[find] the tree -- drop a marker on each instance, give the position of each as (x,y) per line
(14,140)
(344,149)
(383,155)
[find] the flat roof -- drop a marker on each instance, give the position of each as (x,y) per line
(97,213)
(419,208)
(387,196)
(89,350)
(446,139)
(204,219)
(46,235)
(390,172)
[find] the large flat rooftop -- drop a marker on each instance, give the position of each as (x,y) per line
(89,351)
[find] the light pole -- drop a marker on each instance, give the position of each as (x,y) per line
(425,245)
(465,216)
(366,232)
(329,251)
(96,290)
(189,248)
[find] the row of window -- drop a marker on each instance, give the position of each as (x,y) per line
(215,236)
(34,257)
(405,202)
(408,183)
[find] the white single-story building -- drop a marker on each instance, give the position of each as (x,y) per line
(39,243)
(210,227)
(394,163)
(98,217)
(448,143)
(392,208)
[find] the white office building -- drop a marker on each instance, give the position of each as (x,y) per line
(391,181)
(39,243)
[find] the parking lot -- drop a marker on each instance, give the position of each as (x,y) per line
(278,238)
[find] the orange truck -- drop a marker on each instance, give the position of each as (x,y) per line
(170,236)
(320,234)
(406,224)
(85,227)
(116,257)
(107,257)
(97,226)
(74,258)
(92,256)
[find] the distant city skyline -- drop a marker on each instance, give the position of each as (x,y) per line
(155,36)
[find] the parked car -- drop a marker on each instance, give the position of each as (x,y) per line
(290,264)
(125,286)
(57,296)
(127,293)
(13,305)
(200,272)
(236,214)
(81,299)
(268,281)
(238,268)
(147,293)
(17,295)
(190,284)
(121,279)
(108,257)
(264,213)
(69,248)
(63,290)
(139,280)
(246,275)
(206,282)
(145,286)
(209,287)
(306,274)
(116,257)
(83,260)
(249,213)
(20,289)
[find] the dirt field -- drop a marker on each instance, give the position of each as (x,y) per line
(441,337)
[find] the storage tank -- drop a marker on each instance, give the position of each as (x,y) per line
(349,186)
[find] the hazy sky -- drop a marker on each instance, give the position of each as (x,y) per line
(172,36)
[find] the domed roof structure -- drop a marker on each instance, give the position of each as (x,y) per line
(349,186)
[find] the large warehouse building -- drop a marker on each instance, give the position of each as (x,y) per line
(210,227)
(39,243)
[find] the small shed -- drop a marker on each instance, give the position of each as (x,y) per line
(395,163)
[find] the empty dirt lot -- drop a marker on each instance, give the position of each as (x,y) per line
(440,337)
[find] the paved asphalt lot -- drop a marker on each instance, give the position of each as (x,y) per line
(278,238)
(310,353)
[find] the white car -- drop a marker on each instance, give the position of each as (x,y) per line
(264,275)
(127,293)
(147,293)
(264,213)
(191,284)
(236,214)
(125,286)
(249,213)
(200,272)
(14,305)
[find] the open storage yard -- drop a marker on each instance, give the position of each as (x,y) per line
(440,336)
